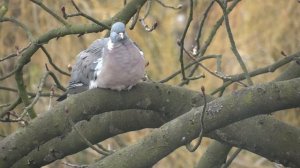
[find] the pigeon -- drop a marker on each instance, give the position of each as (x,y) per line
(115,63)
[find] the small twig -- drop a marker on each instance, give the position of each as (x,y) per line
(149,5)
(188,66)
(13,114)
(148,28)
(36,98)
(181,41)
(102,148)
(232,157)
(29,93)
(50,97)
(8,75)
(199,32)
(52,63)
(266,69)
(19,24)
(4,105)
(15,54)
(168,6)
(105,153)
(189,146)
(75,165)
(58,18)
(223,77)
(232,42)
(58,84)
(135,18)
(10,107)
(80,13)
(212,34)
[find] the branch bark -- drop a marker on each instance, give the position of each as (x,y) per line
(157,97)
(245,103)
(63,148)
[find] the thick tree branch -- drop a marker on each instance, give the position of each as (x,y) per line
(222,111)
(157,97)
(64,147)
(214,156)
(277,140)
(107,125)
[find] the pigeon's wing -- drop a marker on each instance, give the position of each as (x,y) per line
(84,68)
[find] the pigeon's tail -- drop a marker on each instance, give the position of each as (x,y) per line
(63,96)
(72,90)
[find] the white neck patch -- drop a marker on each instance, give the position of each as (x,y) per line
(110,45)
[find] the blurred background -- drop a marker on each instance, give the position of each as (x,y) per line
(262,30)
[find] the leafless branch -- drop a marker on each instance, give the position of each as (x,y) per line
(135,19)
(199,32)
(168,6)
(188,66)
(232,157)
(80,13)
(19,24)
(189,146)
(102,152)
(52,63)
(15,54)
(181,41)
(232,42)
(58,18)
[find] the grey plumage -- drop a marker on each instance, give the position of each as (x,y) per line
(115,63)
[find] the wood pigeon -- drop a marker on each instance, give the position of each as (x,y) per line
(114,63)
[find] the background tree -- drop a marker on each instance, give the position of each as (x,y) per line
(235,44)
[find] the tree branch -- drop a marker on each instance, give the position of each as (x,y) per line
(281,95)
(246,103)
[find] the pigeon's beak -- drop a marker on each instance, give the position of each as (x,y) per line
(121,35)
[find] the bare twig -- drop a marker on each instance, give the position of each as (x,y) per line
(232,157)
(57,82)
(181,41)
(36,98)
(80,13)
(29,93)
(15,54)
(148,9)
(266,69)
(232,42)
(212,34)
(8,75)
(105,153)
(148,28)
(4,105)
(168,6)
(58,18)
(10,107)
(189,146)
(19,24)
(199,32)
(188,66)
(50,97)
(52,63)
(13,114)
(135,19)
(223,77)
(75,165)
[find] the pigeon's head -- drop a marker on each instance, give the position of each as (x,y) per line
(117,32)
